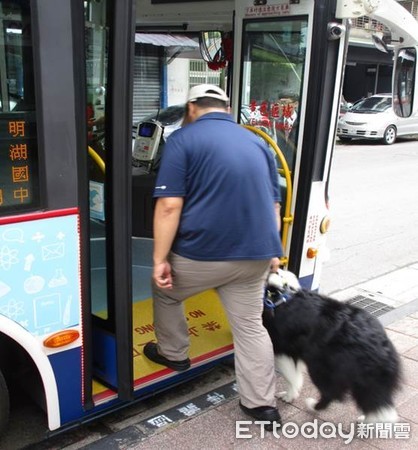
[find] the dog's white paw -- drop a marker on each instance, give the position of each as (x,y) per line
(288,396)
(382,415)
(310,403)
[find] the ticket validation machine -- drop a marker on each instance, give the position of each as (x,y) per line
(147,143)
(145,158)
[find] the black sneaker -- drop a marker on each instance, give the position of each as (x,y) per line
(151,352)
(266,413)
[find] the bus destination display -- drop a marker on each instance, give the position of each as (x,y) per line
(19,183)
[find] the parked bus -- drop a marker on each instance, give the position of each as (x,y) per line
(76,213)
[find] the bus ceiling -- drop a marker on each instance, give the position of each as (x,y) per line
(153,16)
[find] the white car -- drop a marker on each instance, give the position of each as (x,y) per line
(374,118)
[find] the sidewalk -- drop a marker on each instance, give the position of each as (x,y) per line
(214,427)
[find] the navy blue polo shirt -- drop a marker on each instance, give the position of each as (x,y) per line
(228,179)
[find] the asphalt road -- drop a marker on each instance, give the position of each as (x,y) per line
(374,212)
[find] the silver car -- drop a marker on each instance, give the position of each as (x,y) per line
(374,118)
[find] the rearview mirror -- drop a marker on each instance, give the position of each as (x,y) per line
(211,48)
(404,81)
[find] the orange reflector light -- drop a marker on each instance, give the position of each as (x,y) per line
(61,338)
(325,223)
(312,252)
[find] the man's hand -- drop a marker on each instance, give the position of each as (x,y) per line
(162,275)
(277,208)
(274,264)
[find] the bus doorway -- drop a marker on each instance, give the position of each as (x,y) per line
(123,319)
(268,75)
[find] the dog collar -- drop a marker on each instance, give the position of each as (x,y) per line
(271,303)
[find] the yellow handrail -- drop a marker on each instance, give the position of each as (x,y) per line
(287,218)
(97,159)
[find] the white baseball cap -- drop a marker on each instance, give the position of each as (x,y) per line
(206,90)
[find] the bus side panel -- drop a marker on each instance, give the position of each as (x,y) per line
(314,251)
(41,300)
(67,370)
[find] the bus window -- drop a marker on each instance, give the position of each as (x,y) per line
(96,36)
(19,177)
(403,87)
(273,61)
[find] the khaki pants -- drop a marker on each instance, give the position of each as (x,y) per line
(240,285)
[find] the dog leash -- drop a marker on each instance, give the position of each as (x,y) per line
(274,299)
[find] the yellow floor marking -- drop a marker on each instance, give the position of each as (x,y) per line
(208,330)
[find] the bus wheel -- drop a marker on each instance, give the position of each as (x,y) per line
(389,136)
(4,404)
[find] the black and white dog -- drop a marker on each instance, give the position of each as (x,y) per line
(345,349)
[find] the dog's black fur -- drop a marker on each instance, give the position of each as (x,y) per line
(345,349)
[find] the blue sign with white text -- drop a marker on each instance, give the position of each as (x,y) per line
(39,273)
